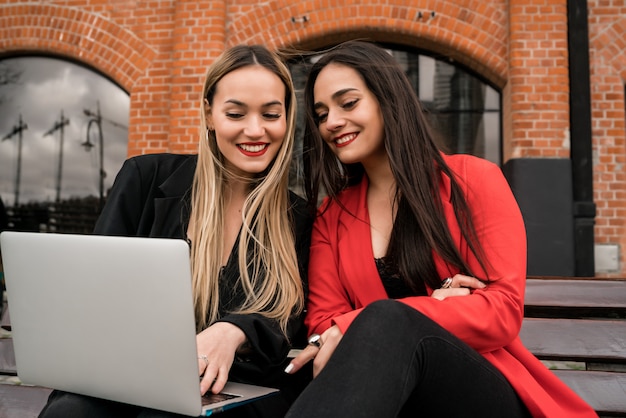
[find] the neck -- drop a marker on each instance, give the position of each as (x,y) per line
(380,177)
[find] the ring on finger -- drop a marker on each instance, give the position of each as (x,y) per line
(446,283)
(205,358)
(315,340)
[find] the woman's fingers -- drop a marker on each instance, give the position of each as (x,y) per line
(220,380)
(216,347)
(441,294)
(320,348)
(330,340)
(206,382)
(306,355)
(459,285)
(461,280)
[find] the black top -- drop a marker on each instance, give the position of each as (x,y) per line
(394,284)
(151,198)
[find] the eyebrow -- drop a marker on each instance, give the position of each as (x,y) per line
(268,104)
(336,94)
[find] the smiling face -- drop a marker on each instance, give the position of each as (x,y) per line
(349,116)
(248,116)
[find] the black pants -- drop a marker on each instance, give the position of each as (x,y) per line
(395,362)
(69,405)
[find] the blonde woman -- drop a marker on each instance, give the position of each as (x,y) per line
(249,235)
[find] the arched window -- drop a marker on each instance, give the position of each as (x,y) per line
(64,136)
(464,109)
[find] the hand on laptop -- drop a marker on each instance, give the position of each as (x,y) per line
(320,352)
(216,352)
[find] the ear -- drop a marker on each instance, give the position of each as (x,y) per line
(208,117)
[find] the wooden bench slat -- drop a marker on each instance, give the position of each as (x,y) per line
(575,298)
(604,391)
(575,339)
(590,293)
(19,401)
(576,292)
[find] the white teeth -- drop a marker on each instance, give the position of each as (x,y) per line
(252,148)
(345,139)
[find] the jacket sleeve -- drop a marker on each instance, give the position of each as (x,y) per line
(487,319)
(268,347)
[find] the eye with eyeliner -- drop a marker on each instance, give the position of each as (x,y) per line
(349,104)
(320,117)
(272,116)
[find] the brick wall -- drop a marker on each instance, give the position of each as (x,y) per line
(158,50)
(607,41)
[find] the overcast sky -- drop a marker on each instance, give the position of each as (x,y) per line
(47,87)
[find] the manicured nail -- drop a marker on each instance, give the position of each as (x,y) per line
(289,368)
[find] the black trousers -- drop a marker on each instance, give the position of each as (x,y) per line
(70,405)
(393,361)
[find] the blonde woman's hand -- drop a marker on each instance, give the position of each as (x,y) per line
(459,285)
(328,342)
(217,346)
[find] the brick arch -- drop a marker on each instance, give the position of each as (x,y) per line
(86,37)
(474,35)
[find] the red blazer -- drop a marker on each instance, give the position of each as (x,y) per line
(343,279)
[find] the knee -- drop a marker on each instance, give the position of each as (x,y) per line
(60,404)
(389,313)
(63,404)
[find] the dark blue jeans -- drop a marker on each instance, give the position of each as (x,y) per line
(395,362)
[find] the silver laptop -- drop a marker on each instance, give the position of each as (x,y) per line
(109,317)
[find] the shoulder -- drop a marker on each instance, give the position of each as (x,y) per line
(348,204)
(160,166)
(479,178)
(469,164)
(471,170)
(351,196)
(161,160)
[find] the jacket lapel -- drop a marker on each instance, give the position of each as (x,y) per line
(172,209)
(355,251)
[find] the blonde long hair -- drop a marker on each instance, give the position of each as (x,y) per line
(269,276)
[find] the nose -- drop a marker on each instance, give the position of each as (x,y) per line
(334,121)
(254,128)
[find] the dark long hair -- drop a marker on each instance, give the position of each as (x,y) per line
(420,228)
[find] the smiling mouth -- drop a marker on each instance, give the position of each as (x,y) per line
(345,139)
(253,148)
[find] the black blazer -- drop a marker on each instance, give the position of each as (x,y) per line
(151,198)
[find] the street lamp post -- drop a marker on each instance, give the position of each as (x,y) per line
(97,119)
(18,129)
(59,126)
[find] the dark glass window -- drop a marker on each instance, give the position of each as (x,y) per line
(64,131)
(464,110)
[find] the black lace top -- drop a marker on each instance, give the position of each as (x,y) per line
(393,283)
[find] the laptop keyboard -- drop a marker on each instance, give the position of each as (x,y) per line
(211,398)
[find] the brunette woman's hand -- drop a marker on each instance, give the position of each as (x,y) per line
(461,285)
(328,342)
(217,346)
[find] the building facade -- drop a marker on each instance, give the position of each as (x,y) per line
(158,51)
